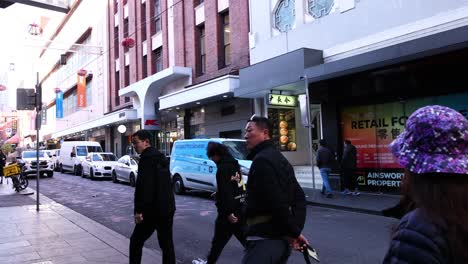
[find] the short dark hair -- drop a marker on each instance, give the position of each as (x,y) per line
(347,141)
(262,123)
(323,142)
(143,134)
(216,149)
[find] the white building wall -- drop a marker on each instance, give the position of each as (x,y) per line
(352,27)
(89,14)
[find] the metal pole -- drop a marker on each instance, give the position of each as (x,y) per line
(309,118)
(37,140)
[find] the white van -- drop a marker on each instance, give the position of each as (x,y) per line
(191,169)
(72,153)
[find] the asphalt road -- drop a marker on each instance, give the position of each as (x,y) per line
(338,236)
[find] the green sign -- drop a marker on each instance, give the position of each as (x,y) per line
(283,100)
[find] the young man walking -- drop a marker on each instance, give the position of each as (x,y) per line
(325,164)
(348,167)
(276,207)
(154,200)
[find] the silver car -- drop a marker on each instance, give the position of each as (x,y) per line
(98,164)
(125,170)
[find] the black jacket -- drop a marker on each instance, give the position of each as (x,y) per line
(273,191)
(349,159)
(2,160)
(325,158)
(418,240)
(227,189)
(153,192)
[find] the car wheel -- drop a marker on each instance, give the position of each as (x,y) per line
(132,180)
(91,174)
(50,174)
(61,169)
(75,170)
(114,177)
(178,185)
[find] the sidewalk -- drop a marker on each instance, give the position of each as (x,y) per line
(56,234)
(370,203)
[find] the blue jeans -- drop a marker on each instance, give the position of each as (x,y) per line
(324,172)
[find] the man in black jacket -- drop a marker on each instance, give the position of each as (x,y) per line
(230,197)
(325,163)
(276,207)
(154,200)
(348,167)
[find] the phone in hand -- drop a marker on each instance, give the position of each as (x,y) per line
(310,252)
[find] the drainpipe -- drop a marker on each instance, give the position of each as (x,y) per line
(309,127)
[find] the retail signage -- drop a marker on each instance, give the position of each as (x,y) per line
(44,114)
(282,100)
(81,91)
(59,105)
(371,128)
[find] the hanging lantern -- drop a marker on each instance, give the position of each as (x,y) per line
(34,29)
(57,90)
(2,87)
(128,42)
(82,72)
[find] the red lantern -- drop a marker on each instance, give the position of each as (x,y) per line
(128,42)
(57,90)
(82,72)
(2,87)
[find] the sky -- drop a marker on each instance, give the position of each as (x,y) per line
(20,48)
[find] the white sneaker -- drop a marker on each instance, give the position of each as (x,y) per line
(199,261)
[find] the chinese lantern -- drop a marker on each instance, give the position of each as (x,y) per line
(128,42)
(2,87)
(57,90)
(82,72)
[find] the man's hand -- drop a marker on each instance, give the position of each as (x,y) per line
(138,218)
(236,178)
(233,219)
(299,243)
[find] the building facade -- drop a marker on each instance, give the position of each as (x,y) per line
(365,68)
(182,68)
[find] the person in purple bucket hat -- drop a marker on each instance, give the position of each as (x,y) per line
(434,151)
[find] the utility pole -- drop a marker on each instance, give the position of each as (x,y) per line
(38,127)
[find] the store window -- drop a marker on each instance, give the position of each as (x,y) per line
(284,128)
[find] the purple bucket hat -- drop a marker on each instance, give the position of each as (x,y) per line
(435,140)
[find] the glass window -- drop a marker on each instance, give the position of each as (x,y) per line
(238,149)
(285,15)
(96,157)
(318,9)
(284,128)
(226,39)
(81,151)
(89,90)
(133,162)
(157,15)
(158,60)
(32,154)
(202,51)
(108,157)
(94,148)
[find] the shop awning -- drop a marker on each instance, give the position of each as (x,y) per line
(13,140)
(213,90)
(279,73)
(118,117)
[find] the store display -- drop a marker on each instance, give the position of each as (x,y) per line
(284,128)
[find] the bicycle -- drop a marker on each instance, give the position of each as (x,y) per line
(13,171)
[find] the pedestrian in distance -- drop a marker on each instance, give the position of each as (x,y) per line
(154,206)
(230,200)
(2,165)
(325,160)
(434,151)
(348,168)
(276,206)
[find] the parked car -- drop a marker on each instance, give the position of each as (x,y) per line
(191,169)
(56,160)
(72,153)
(53,156)
(28,161)
(98,164)
(126,170)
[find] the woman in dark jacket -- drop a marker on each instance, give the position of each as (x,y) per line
(434,152)
(229,200)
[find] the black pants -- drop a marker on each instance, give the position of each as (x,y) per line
(143,231)
(267,251)
(350,180)
(222,233)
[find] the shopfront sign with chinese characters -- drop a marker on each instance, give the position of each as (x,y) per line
(282,100)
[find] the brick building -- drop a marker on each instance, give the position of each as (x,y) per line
(182,71)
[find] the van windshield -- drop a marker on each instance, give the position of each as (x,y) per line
(83,150)
(238,149)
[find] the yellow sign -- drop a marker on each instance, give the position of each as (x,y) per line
(283,100)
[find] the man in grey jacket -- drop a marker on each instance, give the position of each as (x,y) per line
(325,163)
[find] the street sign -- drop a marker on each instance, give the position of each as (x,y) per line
(25,99)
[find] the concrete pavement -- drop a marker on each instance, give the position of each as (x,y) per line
(56,234)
